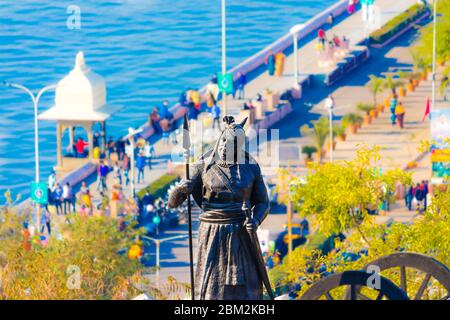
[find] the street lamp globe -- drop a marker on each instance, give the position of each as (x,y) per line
(297,28)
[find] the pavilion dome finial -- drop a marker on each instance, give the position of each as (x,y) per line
(82,90)
(79,61)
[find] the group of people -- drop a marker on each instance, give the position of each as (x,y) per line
(144,152)
(60,196)
(275,63)
(330,49)
(417,194)
(162,120)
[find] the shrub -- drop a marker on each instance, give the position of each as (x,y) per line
(365,107)
(159,187)
(309,150)
(393,26)
(351,119)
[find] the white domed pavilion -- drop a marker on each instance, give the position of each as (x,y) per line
(80,101)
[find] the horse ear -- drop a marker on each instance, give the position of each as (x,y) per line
(242,123)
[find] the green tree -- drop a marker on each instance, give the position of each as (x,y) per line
(95,246)
(375,86)
(392,83)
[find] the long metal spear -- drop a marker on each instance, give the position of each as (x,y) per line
(186,147)
(257,255)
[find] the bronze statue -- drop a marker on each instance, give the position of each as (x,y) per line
(224,181)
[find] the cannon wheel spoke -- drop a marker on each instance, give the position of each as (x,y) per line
(423,286)
(380,296)
(403,278)
(329,296)
(363,297)
(353,291)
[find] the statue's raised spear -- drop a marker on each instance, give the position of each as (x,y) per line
(186,147)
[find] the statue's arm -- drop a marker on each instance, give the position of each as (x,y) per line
(259,198)
(185,187)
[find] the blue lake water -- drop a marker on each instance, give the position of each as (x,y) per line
(147,50)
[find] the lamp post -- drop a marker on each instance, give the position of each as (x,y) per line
(294,32)
(289,217)
(130,137)
(35,99)
(158,245)
(433,82)
(329,104)
(224,53)
(331,133)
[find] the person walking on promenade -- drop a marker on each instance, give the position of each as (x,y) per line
(68,198)
(322,37)
(351,6)
(165,113)
(80,145)
(427,110)
(140,165)
(102,172)
(58,198)
(117,171)
(193,107)
(418,196)
(115,200)
(409,197)
(213,88)
(26,236)
(120,145)
(110,146)
(46,219)
(215,114)
(195,98)
(279,64)
(51,180)
(210,101)
(330,20)
(241,81)
(126,168)
(444,87)
(103,205)
(86,202)
(84,188)
(114,155)
(96,140)
(392,106)
(149,151)
(154,120)
(400,114)
(270,61)
(424,187)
